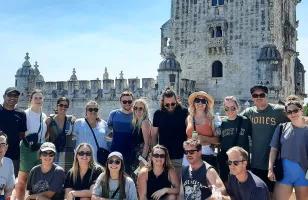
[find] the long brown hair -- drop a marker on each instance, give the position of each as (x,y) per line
(167,164)
(106,177)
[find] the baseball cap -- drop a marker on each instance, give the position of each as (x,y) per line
(117,154)
(258,87)
(48,146)
(11,89)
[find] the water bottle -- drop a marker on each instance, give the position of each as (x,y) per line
(194,135)
(217,120)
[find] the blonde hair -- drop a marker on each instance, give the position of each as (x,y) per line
(233,99)
(138,122)
(75,168)
(208,111)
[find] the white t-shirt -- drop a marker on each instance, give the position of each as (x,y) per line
(7,177)
(33,124)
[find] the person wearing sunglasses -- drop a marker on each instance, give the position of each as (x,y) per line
(34,137)
(81,177)
(234,131)
(59,132)
(200,120)
(291,139)
(200,178)
(264,117)
(7,177)
(169,127)
(46,180)
(92,130)
(120,121)
(158,180)
(114,183)
(13,122)
(242,183)
(141,133)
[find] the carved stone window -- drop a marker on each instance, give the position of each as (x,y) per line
(218,31)
(217,2)
(217,69)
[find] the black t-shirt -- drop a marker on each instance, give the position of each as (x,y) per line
(172,130)
(229,136)
(12,122)
(88,179)
(252,189)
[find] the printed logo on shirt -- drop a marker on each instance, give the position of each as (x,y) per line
(40,186)
(194,190)
(263,120)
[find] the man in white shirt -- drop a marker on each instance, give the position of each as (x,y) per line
(7,177)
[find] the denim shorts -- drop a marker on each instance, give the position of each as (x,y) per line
(293,175)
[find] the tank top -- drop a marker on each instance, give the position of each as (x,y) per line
(202,129)
(157,182)
(195,183)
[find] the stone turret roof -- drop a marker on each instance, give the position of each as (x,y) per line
(299,66)
(269,53)
(26,68)
(39,77)
(73,76)
(169,63)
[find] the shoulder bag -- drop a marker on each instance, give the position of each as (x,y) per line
(32,140)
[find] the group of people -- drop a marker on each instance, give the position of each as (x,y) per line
(128,156)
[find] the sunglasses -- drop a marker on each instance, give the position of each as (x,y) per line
(12,95)
(138,108)
(82,153)
(190,152)
(157,155)
(117,162)
(290,112)
(203,101)
(3,144)
(235,162)
(92,109)
(168,105)
(127,101)
(45,154)
(38,98)
(63,105)
(261,95)
(227,109)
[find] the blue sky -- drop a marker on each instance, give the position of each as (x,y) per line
(91,35)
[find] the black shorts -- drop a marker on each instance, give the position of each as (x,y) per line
(262,174)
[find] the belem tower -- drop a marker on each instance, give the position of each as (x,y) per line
(220,46)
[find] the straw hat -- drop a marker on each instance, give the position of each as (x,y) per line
(194,95)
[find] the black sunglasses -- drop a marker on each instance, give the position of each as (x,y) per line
(92,109)
(190,152)
(45,154)
(261,95)
(63,105)
(127,101)
(157,155)
(203,101)
(82,153)
(117,162)
(235,162)
(138,108)
(227,109)
(12,95)
(168,105)
(290,112)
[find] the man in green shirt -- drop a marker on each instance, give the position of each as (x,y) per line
(264,117)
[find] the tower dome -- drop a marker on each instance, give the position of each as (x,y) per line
(26,69)
(169,63)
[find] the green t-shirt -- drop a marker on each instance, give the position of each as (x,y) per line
(264,123)
(229,136)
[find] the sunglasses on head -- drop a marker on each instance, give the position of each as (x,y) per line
(92,109)
(46,153)
(157,155)
(168,105)
(261,95)
(294,111)
(203,101)
(190,152)
(82,153)
(111,161)
(235,162)
(127,101)
(138,108)
(63,105)
(227,109)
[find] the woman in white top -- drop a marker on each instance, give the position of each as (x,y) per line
(34,136)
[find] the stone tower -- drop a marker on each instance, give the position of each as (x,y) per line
(227,46)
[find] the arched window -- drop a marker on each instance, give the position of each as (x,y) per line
(217,69)
(218,31)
